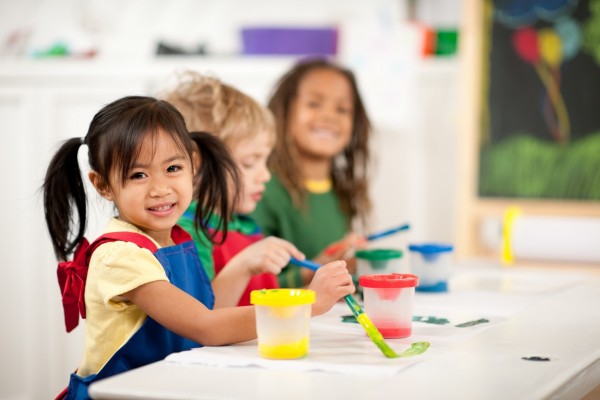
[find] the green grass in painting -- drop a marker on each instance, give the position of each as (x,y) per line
(523,166)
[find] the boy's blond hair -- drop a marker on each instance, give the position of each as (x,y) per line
(209,105)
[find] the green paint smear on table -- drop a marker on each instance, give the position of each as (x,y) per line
(349,318)
(416,318)
(536,358)
(472,323)
(415,349)
(431,320)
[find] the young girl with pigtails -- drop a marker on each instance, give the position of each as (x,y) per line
(140,285)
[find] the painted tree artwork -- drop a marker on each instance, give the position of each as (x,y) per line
(540,135)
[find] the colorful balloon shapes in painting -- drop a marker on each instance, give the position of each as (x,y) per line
(544,50)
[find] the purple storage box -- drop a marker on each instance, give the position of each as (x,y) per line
(289,41)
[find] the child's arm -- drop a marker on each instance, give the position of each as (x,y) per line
(331,282)
(181,313)
(268,255)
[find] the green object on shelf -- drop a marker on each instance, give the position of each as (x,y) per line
(446,42)
(57,49)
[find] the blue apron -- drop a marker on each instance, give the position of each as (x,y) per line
(152,342)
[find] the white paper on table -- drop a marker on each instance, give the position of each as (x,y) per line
(344,354)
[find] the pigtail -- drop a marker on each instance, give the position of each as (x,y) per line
(217,174)
(64,191)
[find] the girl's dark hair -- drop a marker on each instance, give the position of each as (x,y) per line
(349,169)
(114,141)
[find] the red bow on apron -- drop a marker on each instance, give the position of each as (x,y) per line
(71,278)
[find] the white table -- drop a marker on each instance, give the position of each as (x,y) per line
(532,312)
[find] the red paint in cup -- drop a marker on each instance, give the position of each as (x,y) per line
(388,300)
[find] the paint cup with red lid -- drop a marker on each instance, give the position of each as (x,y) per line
(388,300)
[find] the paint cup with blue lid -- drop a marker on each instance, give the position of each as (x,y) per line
(432,263)
(283,321)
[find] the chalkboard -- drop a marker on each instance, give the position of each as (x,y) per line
(540,117)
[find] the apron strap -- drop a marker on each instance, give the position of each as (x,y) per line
(72,275)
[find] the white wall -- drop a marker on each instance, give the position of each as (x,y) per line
(413,104)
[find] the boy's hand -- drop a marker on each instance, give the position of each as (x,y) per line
(331,282)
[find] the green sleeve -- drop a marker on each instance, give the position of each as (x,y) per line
(270,215)
(203,244)
(311,229)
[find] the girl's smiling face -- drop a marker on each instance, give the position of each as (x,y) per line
(157,190)
(251,155)
(322,114)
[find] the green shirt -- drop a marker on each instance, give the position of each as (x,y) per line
(311,230)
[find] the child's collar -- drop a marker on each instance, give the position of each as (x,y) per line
(318,186)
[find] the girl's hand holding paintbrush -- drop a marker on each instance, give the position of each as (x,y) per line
(353,241)
(342,250)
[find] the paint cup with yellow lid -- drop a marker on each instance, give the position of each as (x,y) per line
(283,322)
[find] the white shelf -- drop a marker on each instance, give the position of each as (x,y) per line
(63,71)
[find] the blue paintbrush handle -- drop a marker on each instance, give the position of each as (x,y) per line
(305,263)
(388,232)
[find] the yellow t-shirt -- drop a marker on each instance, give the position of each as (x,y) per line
(115,268)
